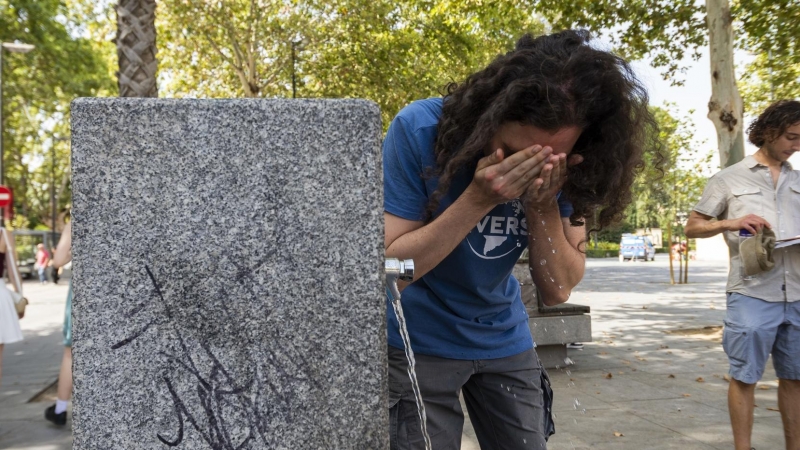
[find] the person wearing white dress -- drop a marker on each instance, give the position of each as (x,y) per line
(10,331)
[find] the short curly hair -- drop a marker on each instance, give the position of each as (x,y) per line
(773,122)
(551,82)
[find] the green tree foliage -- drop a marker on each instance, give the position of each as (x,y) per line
(665,201)
(666,31)
(775,72)
(37,89)
(391,52)
(763,84)
(657,197)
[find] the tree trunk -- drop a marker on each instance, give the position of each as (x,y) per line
(686,267)
(725,106)
(136,48)
(669,252)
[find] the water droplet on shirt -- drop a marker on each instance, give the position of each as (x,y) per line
(560,287)
(550,239)
(552,280)
(554,250)
(543,262)
(519,245)
(524,441)
(543,222)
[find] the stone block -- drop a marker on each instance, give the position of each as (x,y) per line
(561,329)
(228,262)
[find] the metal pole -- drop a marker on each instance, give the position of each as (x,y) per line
(2,171)
(53,195)
(15,47)
(2,154)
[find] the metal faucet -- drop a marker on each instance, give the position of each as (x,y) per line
(396,269)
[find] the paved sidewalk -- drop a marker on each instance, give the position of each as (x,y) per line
(665,390)
(654,376)
(31,366)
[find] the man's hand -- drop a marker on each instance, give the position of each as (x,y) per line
(750,222)
(499,179)
(543,190)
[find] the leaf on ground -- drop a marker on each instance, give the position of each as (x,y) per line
(671,376)
(618,434)
(663,346)
(726,377)
(608,375)
(644,307)
(763,387)
(700,379)
(603,353)
(669,352)
(687,395)
(625,361)
(769,408)
(641,359)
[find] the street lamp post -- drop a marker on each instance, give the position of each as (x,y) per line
(13,47)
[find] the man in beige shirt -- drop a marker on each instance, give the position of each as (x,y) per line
(763,310)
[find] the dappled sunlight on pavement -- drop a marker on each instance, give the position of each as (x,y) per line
(656,375)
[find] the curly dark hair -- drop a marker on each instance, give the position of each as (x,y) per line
(551,82)
(773,122)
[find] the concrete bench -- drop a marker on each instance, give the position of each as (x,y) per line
(552,327)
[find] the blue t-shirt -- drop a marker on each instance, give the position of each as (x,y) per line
(468,306)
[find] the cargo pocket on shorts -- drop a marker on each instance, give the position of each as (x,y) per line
(404,428)
(395,393)
(734,342)
(548,425)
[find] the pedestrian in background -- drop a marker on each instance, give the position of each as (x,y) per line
(10,331)
(42,261)
(57,413)
(752,202)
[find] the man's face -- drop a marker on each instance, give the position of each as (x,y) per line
(514,136)
(785,145)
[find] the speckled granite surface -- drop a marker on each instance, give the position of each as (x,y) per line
(228,259)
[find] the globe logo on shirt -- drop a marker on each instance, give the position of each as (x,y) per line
(500,233)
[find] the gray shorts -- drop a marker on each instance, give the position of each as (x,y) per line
(755,328)
(509,401)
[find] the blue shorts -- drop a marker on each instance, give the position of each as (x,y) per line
(755,328)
